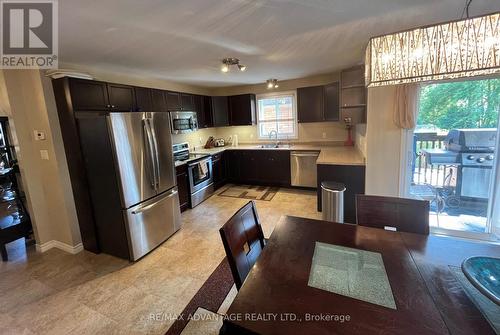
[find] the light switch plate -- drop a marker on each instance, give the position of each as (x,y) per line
(44,154)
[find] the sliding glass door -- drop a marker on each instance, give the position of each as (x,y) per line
(453,155)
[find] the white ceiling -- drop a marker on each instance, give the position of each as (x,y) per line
(184,41)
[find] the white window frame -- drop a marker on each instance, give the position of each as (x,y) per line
(294,112)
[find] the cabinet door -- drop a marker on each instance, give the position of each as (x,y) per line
(121,98)
(331,112)
(159,103)
(88,95)
(182,186)
(173,100)
(143,99)
(310,104)
(208,120)
(187,102)
(242,109)
(232,163)
(274,167)
(249,166)
(220,111)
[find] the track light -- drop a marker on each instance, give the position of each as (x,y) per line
(272,83)
(227,62)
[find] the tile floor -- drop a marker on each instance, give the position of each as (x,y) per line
(59,293)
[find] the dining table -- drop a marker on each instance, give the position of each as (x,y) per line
(319,277)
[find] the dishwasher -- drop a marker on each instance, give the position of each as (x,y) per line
(303,168)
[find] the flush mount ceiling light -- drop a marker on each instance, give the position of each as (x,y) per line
(449,50)
(227,62)
(272,83)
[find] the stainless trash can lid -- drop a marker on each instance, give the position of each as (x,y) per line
(333,186)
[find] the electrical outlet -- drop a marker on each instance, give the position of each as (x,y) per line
(324,135)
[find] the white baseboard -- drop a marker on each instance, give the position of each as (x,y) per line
(59,245)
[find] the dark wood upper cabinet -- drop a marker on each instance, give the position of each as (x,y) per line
(318,103)
(121,98)
(203,108)
(143,100)
(220,111)
(187,102)
(158,101)
(242,109)
(173,100)
(88,95)
(331,111)
(310,104)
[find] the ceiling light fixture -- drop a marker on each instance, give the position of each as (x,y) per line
(227,62)
(272,83)
(463,48)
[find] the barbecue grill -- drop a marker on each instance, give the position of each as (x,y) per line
(472,152)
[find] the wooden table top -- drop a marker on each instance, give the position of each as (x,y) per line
(276,299)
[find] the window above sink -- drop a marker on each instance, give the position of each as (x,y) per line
(277,116)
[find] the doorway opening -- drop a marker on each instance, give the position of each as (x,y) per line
(454,153)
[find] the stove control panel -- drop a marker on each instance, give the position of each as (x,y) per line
(478,159)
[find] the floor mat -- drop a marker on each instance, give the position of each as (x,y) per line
(250,192)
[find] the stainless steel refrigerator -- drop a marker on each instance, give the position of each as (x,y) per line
(142,148)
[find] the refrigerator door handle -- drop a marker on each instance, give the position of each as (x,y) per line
(149,206)
(149,145)
(155,152)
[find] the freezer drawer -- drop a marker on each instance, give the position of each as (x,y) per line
(303,168)
(152,222)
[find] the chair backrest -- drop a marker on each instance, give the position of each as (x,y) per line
(407,215)
(243,241)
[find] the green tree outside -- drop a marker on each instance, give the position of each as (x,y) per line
(461,104)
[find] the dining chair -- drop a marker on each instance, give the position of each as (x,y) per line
(397,214)
(243,241)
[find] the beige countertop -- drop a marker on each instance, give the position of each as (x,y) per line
(329,155)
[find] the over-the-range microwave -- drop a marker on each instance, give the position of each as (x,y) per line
(183,122)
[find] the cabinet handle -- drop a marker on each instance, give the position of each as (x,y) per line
(108,106)
(112,106)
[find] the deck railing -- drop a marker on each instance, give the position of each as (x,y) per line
(424,173)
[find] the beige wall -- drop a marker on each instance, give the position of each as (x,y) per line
(31,106)
(195,139)
(383,144)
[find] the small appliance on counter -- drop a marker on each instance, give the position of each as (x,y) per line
(219,142)
(199,167)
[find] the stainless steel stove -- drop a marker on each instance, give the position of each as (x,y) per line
(199,168)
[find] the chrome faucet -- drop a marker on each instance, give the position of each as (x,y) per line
(275,135)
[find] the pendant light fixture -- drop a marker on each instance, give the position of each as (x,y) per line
(463,48)
(272,83)
(227,62)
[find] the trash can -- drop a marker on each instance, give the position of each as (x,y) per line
(332,201)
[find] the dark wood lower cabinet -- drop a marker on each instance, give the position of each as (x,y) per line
(182,186)
(265,167)
(219,169)
(353,176)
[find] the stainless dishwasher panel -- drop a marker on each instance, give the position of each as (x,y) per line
(152,222)
(303,168)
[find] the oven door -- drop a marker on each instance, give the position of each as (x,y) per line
(200,174)
(183,122)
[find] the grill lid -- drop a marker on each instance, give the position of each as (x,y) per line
(471,140)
